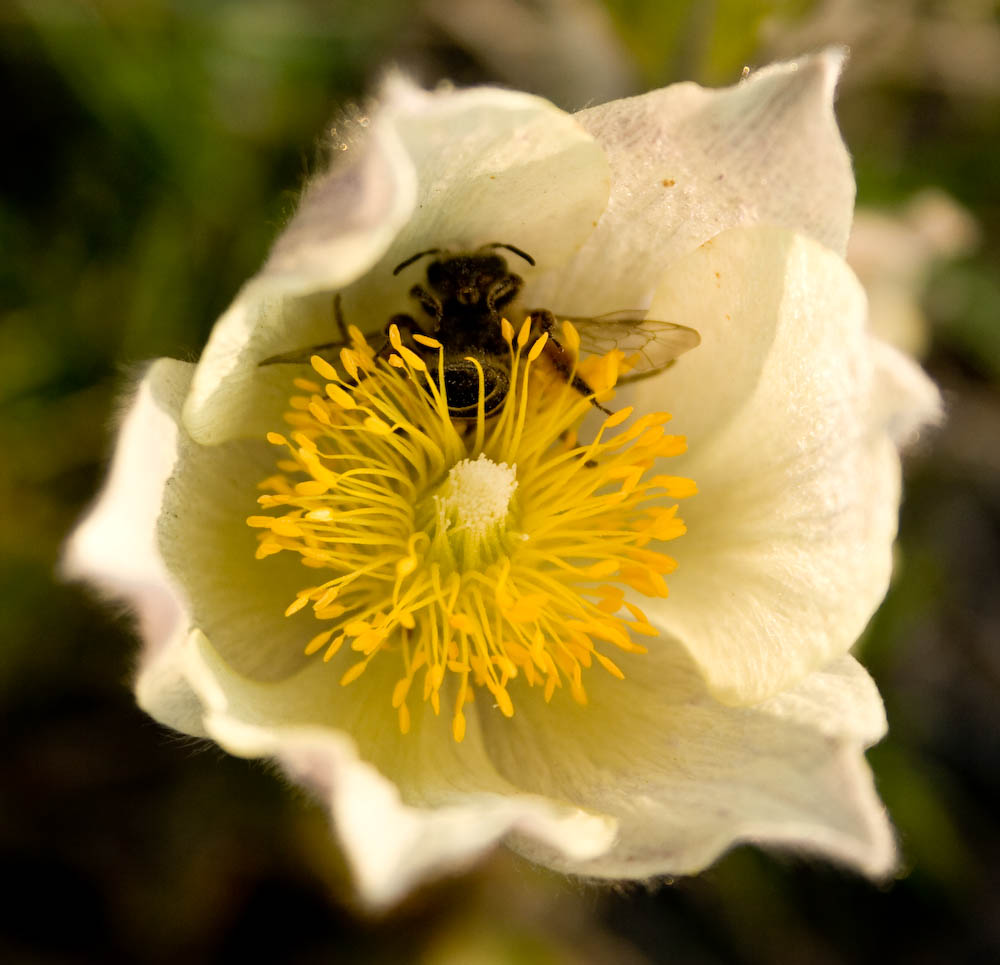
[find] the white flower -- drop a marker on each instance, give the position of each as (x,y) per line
(726,211)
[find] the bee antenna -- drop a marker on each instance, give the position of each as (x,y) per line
(409,261)
(516,251)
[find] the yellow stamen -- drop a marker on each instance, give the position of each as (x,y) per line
(477,556)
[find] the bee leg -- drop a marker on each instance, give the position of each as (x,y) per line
(556,353)
(542,320)
(338,317)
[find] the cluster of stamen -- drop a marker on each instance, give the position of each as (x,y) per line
(473,553)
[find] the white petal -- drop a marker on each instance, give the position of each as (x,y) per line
(346,220)
(498,165)
(445,807)
(905,398)
(452,169)
(687,777)
(688,163)
(208,548)
(168,536)
(115,546)
(788,550)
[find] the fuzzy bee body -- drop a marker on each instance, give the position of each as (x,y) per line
(463,300)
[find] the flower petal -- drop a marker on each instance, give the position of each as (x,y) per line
(788,551)
(209,549)
(687,777)
(115,546)
(449,169)
(905,398)
(688,163)
(445,805)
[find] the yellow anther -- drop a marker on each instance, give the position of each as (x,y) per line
(318,642)
(323,368)
(340,397)
(350,362)
(334,647)
(504,702)
(538,346)
(411,358)
(571,338)
(353,673)
(300,603)
(374,424)
(406,565)
(617,418)
(400,691)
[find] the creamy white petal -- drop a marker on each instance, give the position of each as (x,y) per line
(906,400)
(788,550)
(346,221)
(169,537)
(688,163)
(687,777)
(208,548)
(444,807)
(497,165)
(450,169)
(115,546)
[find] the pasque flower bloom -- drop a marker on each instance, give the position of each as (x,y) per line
(481,574)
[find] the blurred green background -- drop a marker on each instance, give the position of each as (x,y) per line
(153,149)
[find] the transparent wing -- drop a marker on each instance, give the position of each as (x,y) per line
(653,344)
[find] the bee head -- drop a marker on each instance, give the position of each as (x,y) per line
(466,278)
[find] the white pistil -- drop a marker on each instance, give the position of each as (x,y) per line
(477,494)
(472,510)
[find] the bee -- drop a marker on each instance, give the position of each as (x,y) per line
(462,301)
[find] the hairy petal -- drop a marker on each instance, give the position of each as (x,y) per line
(789,542)
(115,546)
(442,807)
(688,163)
(687,777)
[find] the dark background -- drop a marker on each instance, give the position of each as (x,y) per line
(151,150)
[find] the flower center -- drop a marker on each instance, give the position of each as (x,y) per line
(480,555)
(469,516)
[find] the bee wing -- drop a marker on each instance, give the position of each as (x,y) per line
(657,344)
